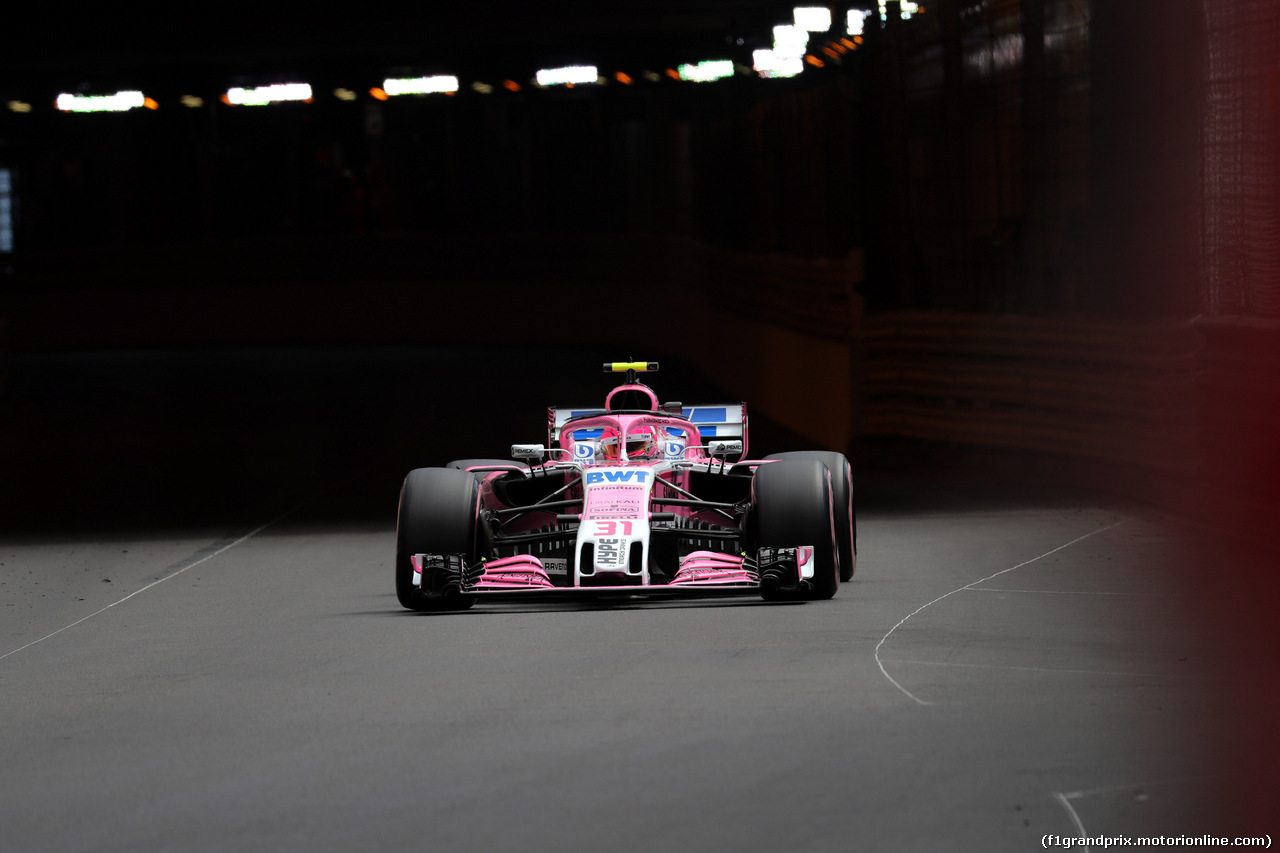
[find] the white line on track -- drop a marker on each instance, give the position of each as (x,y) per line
(356,476)
(1064,798)
(1136,786)
(880,662)
(157,582)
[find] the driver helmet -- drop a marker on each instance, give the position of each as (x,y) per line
(640,444)
(610,445)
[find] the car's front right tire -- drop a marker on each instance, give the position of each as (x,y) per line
(437,515)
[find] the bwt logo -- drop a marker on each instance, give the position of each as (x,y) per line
(594,477)
(584,451)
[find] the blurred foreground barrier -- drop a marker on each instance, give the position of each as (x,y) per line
(1239,386)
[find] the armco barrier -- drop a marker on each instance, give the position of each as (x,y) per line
(778,331)
(815,297)
(1106,392)
(1184,413)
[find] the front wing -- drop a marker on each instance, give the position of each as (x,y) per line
(702,574)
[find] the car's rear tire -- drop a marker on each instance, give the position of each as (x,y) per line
(841,500)
(437,515)
(792,506)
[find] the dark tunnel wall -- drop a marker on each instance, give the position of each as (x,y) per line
(1050,159)
(1123,168)
(1047,159)
(729,163)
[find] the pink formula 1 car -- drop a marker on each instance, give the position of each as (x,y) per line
(637,498)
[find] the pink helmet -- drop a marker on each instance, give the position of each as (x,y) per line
(641,443)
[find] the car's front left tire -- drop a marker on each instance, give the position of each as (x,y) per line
(791,506)
(842,502)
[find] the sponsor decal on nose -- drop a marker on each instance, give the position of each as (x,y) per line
(594,477)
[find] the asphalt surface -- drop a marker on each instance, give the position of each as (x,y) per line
(200,646)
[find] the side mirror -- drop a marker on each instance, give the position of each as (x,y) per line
(532,452)
(721,449)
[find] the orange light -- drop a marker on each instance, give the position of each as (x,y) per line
(150,104)
(511,85)
(622,78)
(814,61)
(857,39)
(672,73)
(308,100)
(225,99)
(378,93)
(847,43)
(830,53)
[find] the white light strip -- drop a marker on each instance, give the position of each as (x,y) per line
(814,19)
(269,94)
(568,75)
(855,24)
(789,41)
(768,63)
(117,103)
(707,70)
(420,85)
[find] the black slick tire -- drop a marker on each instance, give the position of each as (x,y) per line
(791,506)
(437,515)
(842,502)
